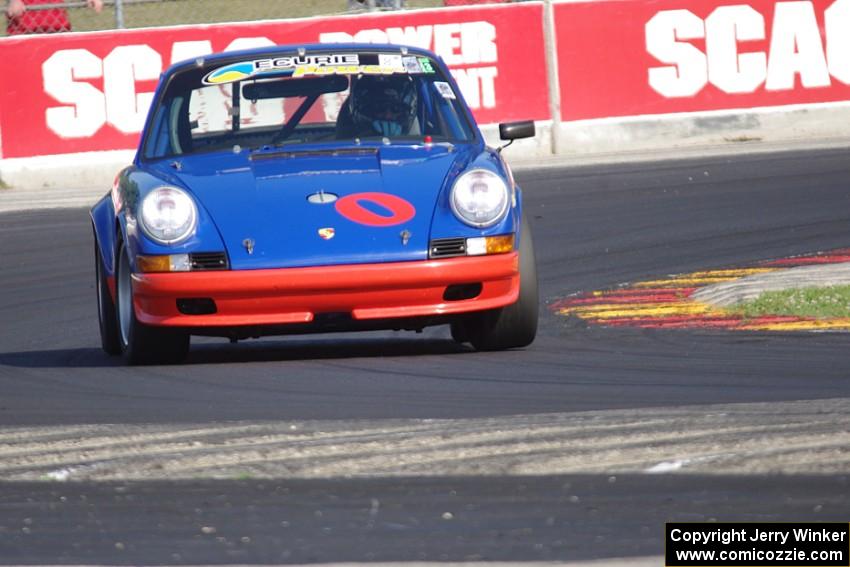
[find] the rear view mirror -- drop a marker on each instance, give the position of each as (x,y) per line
(301,87)
(516,130)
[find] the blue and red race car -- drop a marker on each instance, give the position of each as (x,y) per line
(312,188)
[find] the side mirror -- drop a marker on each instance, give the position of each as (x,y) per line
(516,130)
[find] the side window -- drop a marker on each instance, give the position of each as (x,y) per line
(443,112)
(158,144)
(168,133)
(432,125)
(454,123)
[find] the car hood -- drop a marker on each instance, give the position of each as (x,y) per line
(261,205)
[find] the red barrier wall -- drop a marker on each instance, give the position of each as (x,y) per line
(68,93)
(630,57)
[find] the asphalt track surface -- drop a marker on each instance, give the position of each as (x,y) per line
(594,227)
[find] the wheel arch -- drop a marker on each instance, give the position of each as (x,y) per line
(103,227)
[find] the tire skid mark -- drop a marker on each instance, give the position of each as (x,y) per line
(668,303)
(207,440)
(318,448)
(806,436)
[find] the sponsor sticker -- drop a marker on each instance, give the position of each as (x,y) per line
(390,60)
(425,63)
(411,65)
(312,65)
(278,65)
(445,90)
(309,70)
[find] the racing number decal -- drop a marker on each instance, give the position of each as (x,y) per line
(352,207)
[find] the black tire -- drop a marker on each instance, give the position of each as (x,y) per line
(142,344)
(459,333)
(513,326)
(110,342)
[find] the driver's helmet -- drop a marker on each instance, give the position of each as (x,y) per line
(383,105)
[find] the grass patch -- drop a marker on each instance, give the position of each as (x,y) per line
(817,302)
(4,185)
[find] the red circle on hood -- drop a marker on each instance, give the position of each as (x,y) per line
(351,208)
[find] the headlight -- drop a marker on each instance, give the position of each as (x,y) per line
(480,198)
(168,215)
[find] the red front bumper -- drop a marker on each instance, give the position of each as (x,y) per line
(296,295)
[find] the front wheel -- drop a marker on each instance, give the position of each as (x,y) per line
(143,344)
(512,326)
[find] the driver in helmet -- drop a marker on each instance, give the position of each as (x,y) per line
(383,105)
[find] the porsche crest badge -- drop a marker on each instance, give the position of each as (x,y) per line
(327,233)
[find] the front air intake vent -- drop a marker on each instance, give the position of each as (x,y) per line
(208,261)
(447,247)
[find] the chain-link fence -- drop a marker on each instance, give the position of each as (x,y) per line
(47,16)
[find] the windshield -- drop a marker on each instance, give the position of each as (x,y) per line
(311,99)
